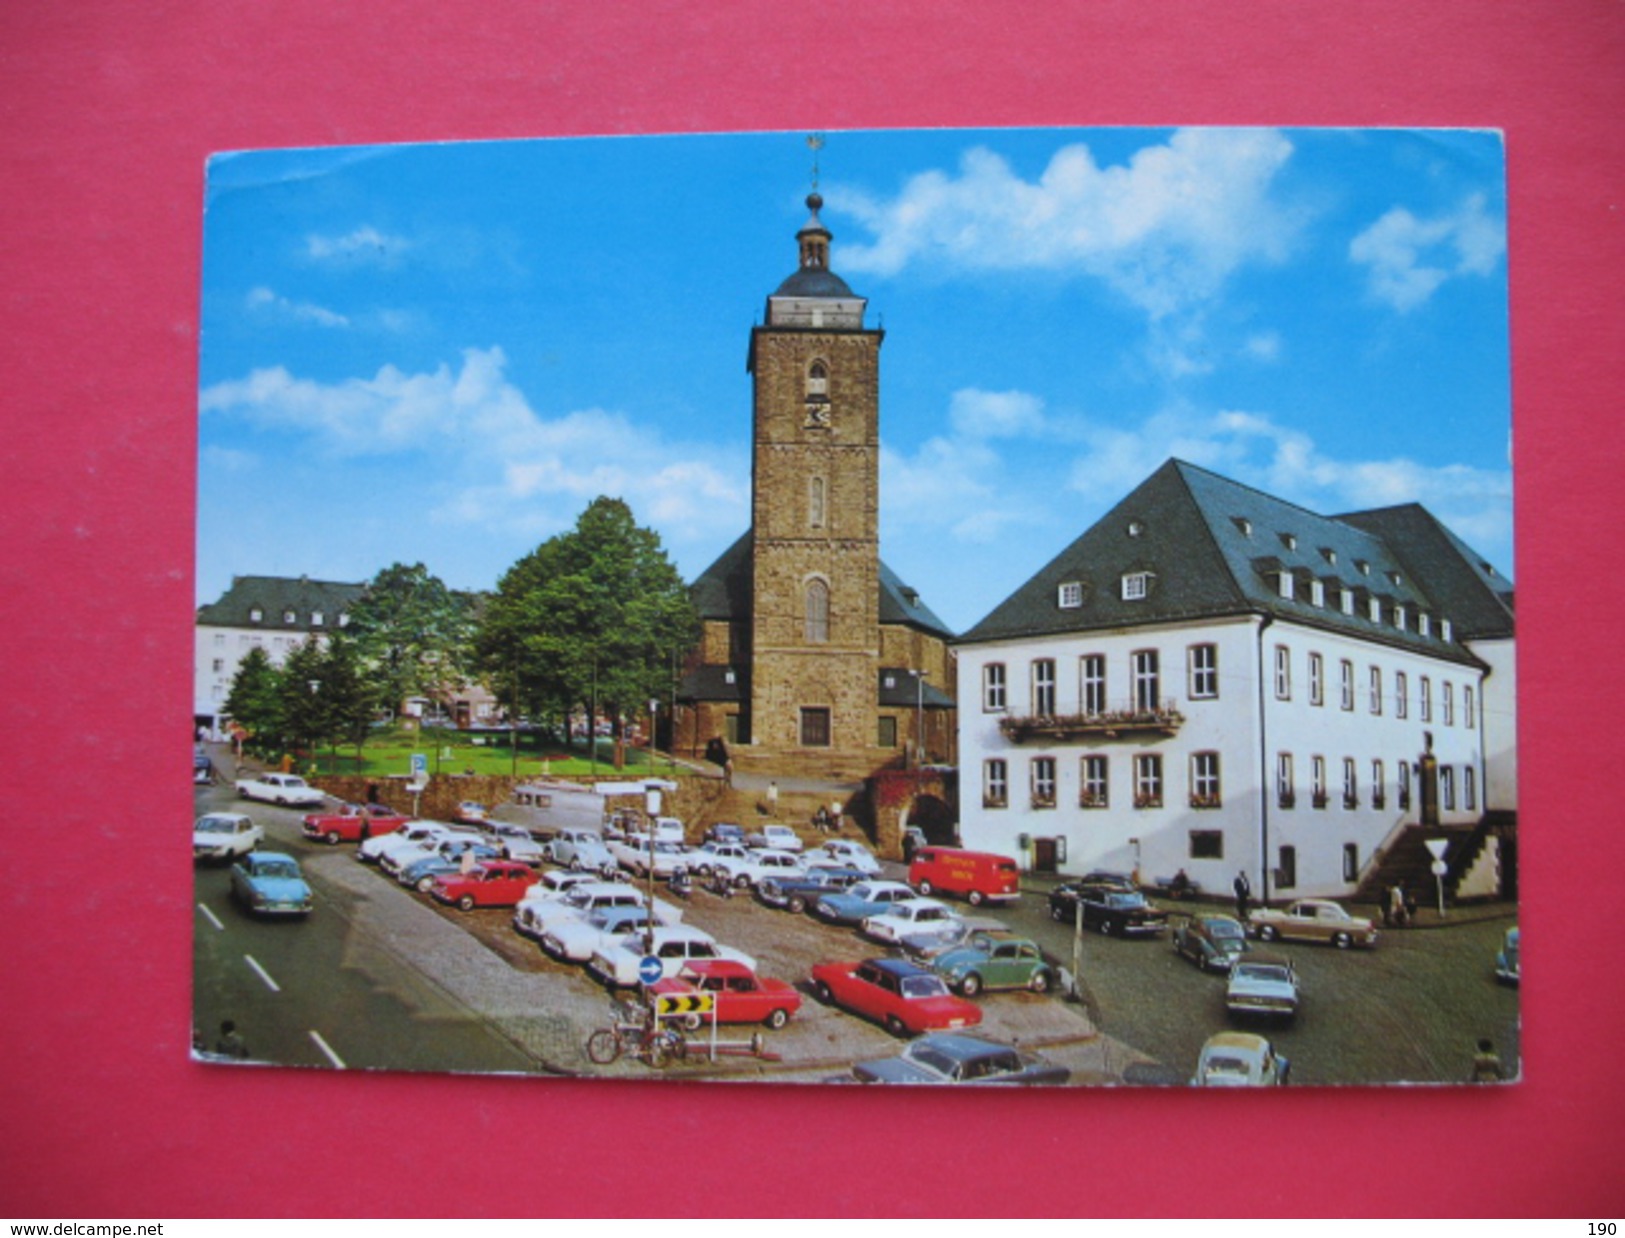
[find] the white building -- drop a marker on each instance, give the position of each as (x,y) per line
(275,613)
(1215,680)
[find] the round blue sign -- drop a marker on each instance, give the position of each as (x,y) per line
(649,969)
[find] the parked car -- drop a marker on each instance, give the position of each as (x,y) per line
(675,945)
(1508,965)
(900,995)
(224,836)
(756,866)
(738,993)
(907,915)
(1312,919)
(846,854)
(280,789)
(202,770)
(776,838)
(416,834)
(270,883)
(954,1058)
(352,823)
(471,812)
(702,857)
(556,883)
(1124,913)
(980,876)
(515,842)
(576,940)
(420,874)
(496,883)
(867,898)
(1240,1060)
(725,832)
(995,961)
(580,850)
(1263,984)
(534,916)
(795,892)
(1213,943)
(1109,878)
(932,943)
(638,855)
(453,843)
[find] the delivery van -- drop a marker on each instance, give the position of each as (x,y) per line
(980,876)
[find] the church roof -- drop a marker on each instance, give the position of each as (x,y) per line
(1204,546)
(815,282)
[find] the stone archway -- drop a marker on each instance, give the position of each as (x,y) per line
(928,798)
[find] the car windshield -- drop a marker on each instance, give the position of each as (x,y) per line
(924,986)
(1228,1067)
(1269,973)
(1229,930)
(281,869)
(1125,902)
(930,1057)
(216,825)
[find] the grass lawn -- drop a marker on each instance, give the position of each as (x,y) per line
(449,752)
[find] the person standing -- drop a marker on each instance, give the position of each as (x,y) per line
(1244,892)
(772,799)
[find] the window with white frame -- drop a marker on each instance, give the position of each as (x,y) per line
(1317,679)
(1469,715)
(1094,791)
(1092,683)
(993,687)
(1203,666)
(1373,610)
(1375,678)
(1148,780)
(1147,686)
(1317,782)
(1447,703)
(1447,787)
(315,618)
(1070,595)
(1469,788)
(219,639)
(995,784)
(255,615)
(1283,673)
(1317,593)
(1346,683)
(1404,768)
(1285,584)
(1286,793)
(1043,687)
(1043,782)
(1402,695)
(1136,586)
(288,616)
(1424,623)
(1346,599)
(1399,618)
(1427,699)
(1379,785)
(1351,784)
(1205,780)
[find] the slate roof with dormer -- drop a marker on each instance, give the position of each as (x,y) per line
(275,597)
(1211,547)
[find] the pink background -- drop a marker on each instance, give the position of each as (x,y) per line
(109,110)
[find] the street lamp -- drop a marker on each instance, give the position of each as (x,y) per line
(919,716)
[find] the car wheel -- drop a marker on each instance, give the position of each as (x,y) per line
(822,992)
(1266,932)
(1055,913)
(971,985)
(425,884)
(604,1046)
(742,881)
(1342,941)
(975,897)
(1040,982)
(466,902)
(332,838)
(925,889)
(778,1018)
(895,1026)
(1105,927)
(797,904)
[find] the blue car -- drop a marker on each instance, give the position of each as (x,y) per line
(420,874)
(270,884)
(795,892)
(856,903)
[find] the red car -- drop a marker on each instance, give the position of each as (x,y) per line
(741,995)
(353,823)
(496,883)
(903,996)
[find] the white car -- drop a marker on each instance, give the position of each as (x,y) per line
(908,917)
(847,854)
(636,855)
(556,884)
(576,941)
(674,945)
(224,836)
(534,916)
(380,845)
(515,842)
(454,842)
(705,855)
(776,838)
(1262,984)
(280,789)
(756,867)
(1240,1060)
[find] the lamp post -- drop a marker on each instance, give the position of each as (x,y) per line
(315,692)
(920,677)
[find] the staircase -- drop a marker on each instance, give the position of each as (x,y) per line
(748,808)
(1408,861)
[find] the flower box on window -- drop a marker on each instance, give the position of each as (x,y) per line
(1087,800)
(1043,801)
(1287,799)
(1319,799)
(1351,801)
(1206,801)
(1111,723)
(1148,801)
(1379,801)
(994,801)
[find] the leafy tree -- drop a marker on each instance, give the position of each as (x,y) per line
(299,692)
(347,700)
(254,701)
(413,634)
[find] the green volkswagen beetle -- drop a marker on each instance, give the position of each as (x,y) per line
(995,960)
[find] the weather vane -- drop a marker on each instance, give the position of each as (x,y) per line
(815,143)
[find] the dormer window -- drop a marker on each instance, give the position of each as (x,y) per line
(1393,579)
(1285,585)
(1317,593)
(315,618)
(1374,610)
(288,616)
(1444,630)
(344,618)
(1135,528)
(1070,595)
(1363,567)
(1244,524)
(1136,586)
(1346,600)
(1399,618)
(1289,540)
(256,615)
(1424,624)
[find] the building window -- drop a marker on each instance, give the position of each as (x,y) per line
(993,687)
(1094,792)
(1402,697)
(1399,618)
(886,735)
(1317,593)
(1207,845)
(1351,784)
(288,616)
(1467,710)
(995,784)
(1286,794)
(815,502)
(1148,780)
(815,729)
(1376,689)
(1317,781)
(1136,586)
(1044,687)
(1351,863)
(1285,585)
(1444,630)
(255,615)
(1204,672)
(1043,782)
(1404,786)
(1286,872)
(1447,702)
(1317,679)
(1469,788)
(1427,699)
(1147,692)
(1373,610)
(1346,598)
(1424,624)
(315,618)
(1205,780)
(218,665)
(1447,787)
(1283,673)
(1070,595)
(817,606)
(1092,675)
(219,639)
(1379,786)
(1346,683)
(344,619)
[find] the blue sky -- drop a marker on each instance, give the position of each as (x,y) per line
(442,353)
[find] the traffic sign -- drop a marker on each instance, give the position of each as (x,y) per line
(685,1003)
(649,969)
(420,766)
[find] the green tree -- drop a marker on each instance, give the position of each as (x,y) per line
(254,701)
(413,635)
(348,701)
(299,691)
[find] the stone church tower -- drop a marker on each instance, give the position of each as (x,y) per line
(815,657)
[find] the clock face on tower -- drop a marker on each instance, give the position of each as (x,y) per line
(818,415)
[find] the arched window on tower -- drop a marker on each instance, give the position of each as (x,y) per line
(817,608)
(815,503)
(817,394)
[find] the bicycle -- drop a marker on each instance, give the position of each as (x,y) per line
(636,1033)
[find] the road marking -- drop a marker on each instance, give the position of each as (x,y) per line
(327,1049)
(212,920)
(263,974)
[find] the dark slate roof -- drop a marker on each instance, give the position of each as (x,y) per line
(897,688)
(1214,547)
(723,591)
(815,282)
(274,596)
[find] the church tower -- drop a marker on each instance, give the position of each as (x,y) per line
(815,588)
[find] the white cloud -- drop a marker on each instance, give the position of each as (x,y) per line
(1165,230)
(1409,258)
(263,300)
(995,414)
(363,244)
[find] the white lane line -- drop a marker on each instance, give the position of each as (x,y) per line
(327,1049)
(263,974)
(210,915)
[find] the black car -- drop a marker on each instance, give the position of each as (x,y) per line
(798,892)
(1107,909)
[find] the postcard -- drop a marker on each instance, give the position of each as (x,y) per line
(961,607)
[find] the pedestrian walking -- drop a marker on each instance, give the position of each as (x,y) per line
(1244,892)
(773,799)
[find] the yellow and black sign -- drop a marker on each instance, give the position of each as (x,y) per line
(684,1003)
